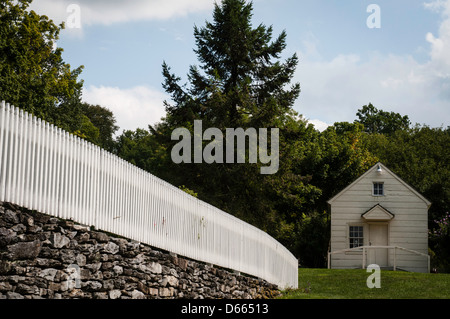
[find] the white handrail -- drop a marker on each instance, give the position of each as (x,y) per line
(363,249)
(46,169)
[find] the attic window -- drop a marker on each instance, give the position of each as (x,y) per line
(378,189)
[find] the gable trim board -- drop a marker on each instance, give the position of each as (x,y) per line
(383,168)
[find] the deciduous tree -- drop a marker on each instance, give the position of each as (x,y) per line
(379,121)
(33,75)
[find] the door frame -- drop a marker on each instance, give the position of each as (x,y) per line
(372,251)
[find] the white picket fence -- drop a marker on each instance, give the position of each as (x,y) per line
(46,169)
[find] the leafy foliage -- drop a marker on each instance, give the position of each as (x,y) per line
(379,121)
(440,238)
(104,121)
(33,75)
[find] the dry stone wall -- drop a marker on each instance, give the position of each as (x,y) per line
(43,257)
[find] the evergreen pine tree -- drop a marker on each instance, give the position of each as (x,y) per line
(241,81)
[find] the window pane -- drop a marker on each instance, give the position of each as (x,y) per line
(378,189)
(356,237)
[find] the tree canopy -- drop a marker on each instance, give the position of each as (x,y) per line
(34,76)
(379,121)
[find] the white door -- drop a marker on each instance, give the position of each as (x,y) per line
(378,236)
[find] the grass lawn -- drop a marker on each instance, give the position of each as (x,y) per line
(352,284)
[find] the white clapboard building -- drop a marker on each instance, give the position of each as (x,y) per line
(379,220)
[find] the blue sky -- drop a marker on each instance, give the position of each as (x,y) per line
(403,66)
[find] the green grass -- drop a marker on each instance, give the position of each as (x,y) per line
(352,284)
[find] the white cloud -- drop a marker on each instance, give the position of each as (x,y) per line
(333,90)
(436,5)
(319,125)
(440,46)
(133,108)
(107,12)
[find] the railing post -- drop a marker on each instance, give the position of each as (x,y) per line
(364,258)
(329,261)
(395,258)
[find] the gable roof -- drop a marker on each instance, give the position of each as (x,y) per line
(379,213)
(384,168)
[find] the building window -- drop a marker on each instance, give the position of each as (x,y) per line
(356,236)
(378,189)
